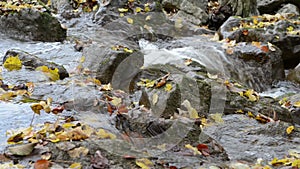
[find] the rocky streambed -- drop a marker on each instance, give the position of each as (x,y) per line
(145,90)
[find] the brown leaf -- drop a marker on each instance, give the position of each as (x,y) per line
(245,32)
(22,150)
(122,109)
(42,164)
(99,161)
(57,110)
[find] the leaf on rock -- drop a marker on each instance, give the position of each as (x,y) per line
(217,117)
(168,87)
(194,149)
(154,98)
(144,163)
(123,9)
(203,148)
(264,48)
(53,74)
(13,63)
(75,166)
(297,104)
(290,129)
(105,135)
(42,164)
(22,150)
(116,101)
(36,108)
(192,111)
(78,152)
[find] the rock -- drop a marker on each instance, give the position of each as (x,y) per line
(32,62)
(271,6)
(31,24)
(276,34)
(289,8)
(294,75)
(188,10)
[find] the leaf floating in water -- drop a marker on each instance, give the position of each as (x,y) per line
(130,21)
(13,63)
(22,150)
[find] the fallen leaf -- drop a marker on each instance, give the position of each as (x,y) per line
(75,166)
(57,110)
(130,21)
(78,152)
(144,163)
(168,87)
(245,32)
(217,117)
(203,148)
(42,164)
(154,98)
(22,150)
(148,18)
(188,62)
(105,135)
(297,104)
(122,9)
(271,47)
(192,111)
(264,48)
(13,63)
(194,149)
(290,129)
(116,101)
(53,74)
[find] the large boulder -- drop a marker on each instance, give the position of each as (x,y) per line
(271,6)
(289,8)
(188,10)
(280,33)
(32,24)
(294,75)
(31,62)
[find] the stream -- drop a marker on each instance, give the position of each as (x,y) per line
(18,115)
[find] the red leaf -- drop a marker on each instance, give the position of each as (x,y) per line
(264,48)
(110,108)
(129,157)
(173,167)
(42,164)
(203,148)
(245,32)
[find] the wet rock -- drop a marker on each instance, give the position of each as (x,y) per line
(32,62)
(289,8)
(271,6)
(294,75)
(276,34)
(243,137)
(192,11)
(31,24)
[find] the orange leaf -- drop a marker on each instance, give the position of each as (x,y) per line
(257,44)
(42,164)
(245,32)
(122,109)
(264,48)
(229,51)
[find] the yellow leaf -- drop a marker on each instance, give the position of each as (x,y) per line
(297,104)
(192,111)
(296,163)
(128,50)
(255,22)
(116,101)
(122,15)
(7,96)
(290,129)
(68,125)
(144,163)
(82,59)
(194,149)
(138,9)
(147,9)
(36,108)
(130,21)
(250,114)
(13,63)
(154,98)
(148,18)
(75,166)
(104,134)
(217,117)
(122,9)
(51,73)
(78,152)
(290,29)
(168,87)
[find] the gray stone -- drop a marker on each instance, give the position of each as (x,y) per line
(32,62)
(294,75)
(289,8)
(271,6)
(31,24)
